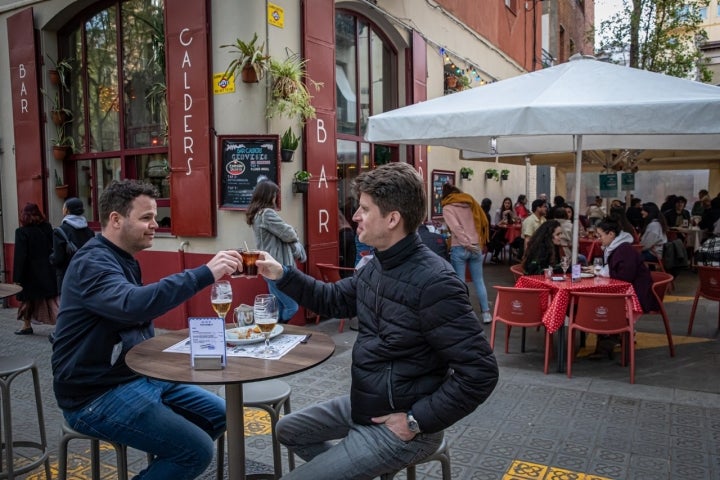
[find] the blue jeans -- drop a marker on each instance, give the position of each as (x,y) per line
(175,423)
(364,451)
(459,257)
(287,306)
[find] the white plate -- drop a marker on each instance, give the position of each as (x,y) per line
(254,337)
(587,275)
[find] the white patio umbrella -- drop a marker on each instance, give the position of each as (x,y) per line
(581,104)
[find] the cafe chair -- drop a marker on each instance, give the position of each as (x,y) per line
(520,307)
(331,274)
(442,455)
(660,283)
(272,396)
(602,314)
(517,271)
(709,288)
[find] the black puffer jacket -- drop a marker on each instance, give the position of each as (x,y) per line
(420,346)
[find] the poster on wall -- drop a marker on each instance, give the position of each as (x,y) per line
(608,185)
(439,178)
(245,161)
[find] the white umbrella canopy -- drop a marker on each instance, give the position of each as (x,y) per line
(581,104)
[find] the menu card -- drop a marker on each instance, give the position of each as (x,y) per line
(207,343)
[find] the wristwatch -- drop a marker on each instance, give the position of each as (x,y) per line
(413,425)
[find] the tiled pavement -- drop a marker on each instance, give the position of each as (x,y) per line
(534,426)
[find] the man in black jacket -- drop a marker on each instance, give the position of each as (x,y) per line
(420,361)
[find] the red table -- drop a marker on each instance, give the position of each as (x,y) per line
(554,316)
(512,232)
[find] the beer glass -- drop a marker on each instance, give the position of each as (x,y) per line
(221,298)
(266,313)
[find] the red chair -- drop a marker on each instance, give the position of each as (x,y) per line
(331,274)
(709,288)
(661,282)
(602,314)
(517,271)
(520,307)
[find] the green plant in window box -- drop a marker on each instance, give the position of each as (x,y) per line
(289,95)
(504,174)
(288,144)
(251,60)
(492,174)
(466,173)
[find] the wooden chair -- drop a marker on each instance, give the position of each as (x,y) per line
(331,274)
(660,284)
(517,271)
(520,307)
(602,314)
(709,287)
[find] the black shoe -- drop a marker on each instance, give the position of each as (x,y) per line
(24,331)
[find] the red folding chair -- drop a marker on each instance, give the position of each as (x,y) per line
(661,281)
(331,274)
(602,314)
(517,271)
(521,307)
(709,287)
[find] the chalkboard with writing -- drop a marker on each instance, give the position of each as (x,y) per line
(244,162)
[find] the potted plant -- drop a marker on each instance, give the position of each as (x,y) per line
(301,181)
(289,95)
(288,144)
(61,189)
(491,173)
(63,145)
(58,114)
(463,82)
(251,60)
(466,172)
(59,74)
(504,174)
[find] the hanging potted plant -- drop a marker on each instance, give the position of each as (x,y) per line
(59,74)
(504,174)
(463,82)
(491,173)
(63,145)
(301,181)
(288,144)
(289,95)
(58,115)
(466,172)
(451,82)
(251,60)
(61,189)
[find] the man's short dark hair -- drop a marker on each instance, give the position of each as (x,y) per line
(537,204)
(119,195)
(395,187)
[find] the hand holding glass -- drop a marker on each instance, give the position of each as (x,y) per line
(266,312)
(221,298)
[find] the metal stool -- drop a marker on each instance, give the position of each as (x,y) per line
(442,455)
(270,396)
(11,367)
(68,433)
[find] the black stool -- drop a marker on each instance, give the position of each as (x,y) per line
(442,455)
(10,368)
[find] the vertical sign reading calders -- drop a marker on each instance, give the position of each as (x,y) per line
(245,161)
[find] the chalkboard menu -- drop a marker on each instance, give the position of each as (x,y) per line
(439,178)
(245,161)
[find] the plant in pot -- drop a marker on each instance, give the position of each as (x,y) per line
(61,189)
(301,181)
(59,115)
(288,144)
(466,173)
(63,145)
(251,60)
(491,173)
(463,82)
(289,95)
(59,74)
(504,174)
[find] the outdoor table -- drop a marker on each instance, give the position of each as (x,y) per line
(512,232)
(148,359)
(8,289)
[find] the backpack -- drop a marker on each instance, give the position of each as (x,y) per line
(70,247)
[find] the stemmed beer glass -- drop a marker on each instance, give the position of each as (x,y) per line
(266,313)
(221,298)
(565,264)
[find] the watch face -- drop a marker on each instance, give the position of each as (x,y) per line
(413,425)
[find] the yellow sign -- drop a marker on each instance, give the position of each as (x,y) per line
(222,84)
(276,15)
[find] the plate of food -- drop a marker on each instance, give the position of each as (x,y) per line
(250,334)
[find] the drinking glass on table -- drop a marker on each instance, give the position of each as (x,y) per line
(565,264)
(221,298)
(597,266)
(266,313)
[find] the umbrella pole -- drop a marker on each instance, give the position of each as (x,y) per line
(578,183)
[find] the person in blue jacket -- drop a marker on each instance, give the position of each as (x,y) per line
(105,310)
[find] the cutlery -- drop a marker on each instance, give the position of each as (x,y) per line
(307,337)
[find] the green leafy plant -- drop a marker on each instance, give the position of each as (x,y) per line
(504,173)
(463,81)
(63,67)
(289,95)
(59,114)
(250,56)
(289,141)
(58,180)
(302,176)
(492,173)
(466,171)
(62,140)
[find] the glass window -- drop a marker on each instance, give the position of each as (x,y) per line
(118,99)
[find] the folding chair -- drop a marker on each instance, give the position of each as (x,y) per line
(709,287)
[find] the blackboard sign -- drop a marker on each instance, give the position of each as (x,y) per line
(245,161)
(439,178)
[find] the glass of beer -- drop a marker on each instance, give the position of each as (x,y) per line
(266,312)
(221,298)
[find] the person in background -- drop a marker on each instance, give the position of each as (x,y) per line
(434,241)
(571,216)
(709,252)
(32,270)
(595,211)
(421,361)
(698,208)
(544,249)
(653,233)
(470,232)
(558,202)
(346,239)
(618,216)
(486,205)
(504,217)
(634,214)
(533,222)
(711,214)
(560,215)
(74,228)
(668,204)
(105,310)
(520,209)
(275,236)
(678,216)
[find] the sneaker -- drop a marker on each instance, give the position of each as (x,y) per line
(486,317)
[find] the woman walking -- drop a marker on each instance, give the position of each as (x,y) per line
(276,237)
(470,230)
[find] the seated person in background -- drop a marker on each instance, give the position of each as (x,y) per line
(653,236)
(711,215)
(486,205)
(623,262)
(709,252)
(520,209)
(346,237)
(634,213)
(558,201)
(434,241)
(505,215)
(595,211)
(698,208)
(618,216)
(571,216)
(678,216)
(544,249)
(668,204)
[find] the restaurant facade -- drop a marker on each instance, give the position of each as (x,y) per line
(144,95)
